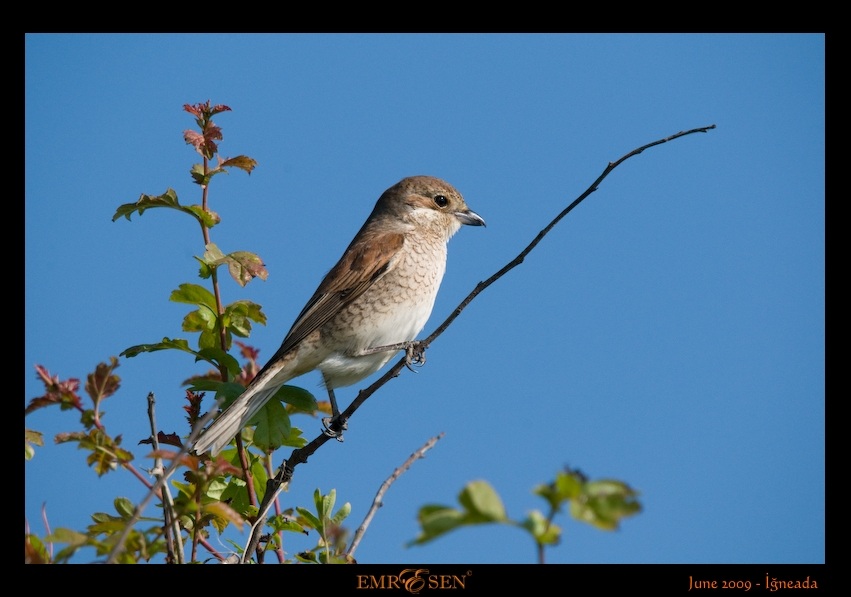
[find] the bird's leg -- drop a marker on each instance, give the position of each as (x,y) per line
(334,425)
(414,352)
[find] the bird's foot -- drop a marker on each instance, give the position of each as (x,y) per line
(414,354)
(334,427)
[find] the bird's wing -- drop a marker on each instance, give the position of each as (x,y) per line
(366,260)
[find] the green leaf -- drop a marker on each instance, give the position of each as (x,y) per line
(124,507)
(604,503)
(169,200)
(234,494)
(200,320)
(230,390)
(242,162)
(213,256)
(325,504)
(210,385)
(209,339)
(198,175)
(436,520)
(166,344)
(481,504)
(36,552)
(282,522)
(342,514)
(36,438)
(217,356)
(307,557)
(145,202)
(567,486)
(194,294)
(544,533)
(273,426)
(68,536)
(297,397)
(309,518)
(481,501)
(239,315)
(205,216)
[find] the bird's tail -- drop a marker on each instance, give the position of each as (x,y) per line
(239,413)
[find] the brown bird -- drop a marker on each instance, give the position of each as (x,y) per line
(379,294)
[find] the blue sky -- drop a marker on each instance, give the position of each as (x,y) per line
(668,333)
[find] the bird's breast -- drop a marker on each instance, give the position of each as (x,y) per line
(394,309)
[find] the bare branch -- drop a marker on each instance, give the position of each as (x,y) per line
(378,501)
(171,523)
(156,487)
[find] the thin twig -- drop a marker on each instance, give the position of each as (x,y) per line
(172,527)
(300,455)
(378,501)
(155,488)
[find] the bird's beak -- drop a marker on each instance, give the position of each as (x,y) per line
(470,218)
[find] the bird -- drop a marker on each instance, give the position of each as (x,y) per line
(376,299)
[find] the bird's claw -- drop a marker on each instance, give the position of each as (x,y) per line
(334,427)
(414,355)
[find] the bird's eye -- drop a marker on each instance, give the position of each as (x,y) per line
(441,201)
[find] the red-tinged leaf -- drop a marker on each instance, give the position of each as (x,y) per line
(106,453)
(220,466)
(248,352)
(204,143)
(195,109)
(193,408)
(170,439)
(194,138)
(52,384)
(40,402)
(103,383)
(63,393)
(212,132)
(218,108)
(244,265)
